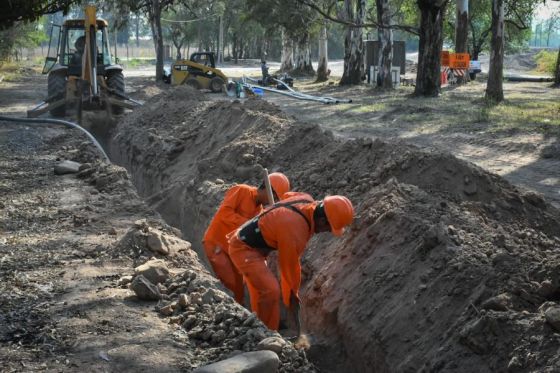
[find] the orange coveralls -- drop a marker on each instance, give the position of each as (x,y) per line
(287,232)
(238,206)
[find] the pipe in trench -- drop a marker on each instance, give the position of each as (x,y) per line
(39,121)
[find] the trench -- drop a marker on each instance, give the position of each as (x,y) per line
(433,237)
(173,200)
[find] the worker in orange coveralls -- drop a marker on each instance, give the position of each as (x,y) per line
(241,203)
(286,226)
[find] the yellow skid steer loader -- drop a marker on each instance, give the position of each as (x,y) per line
(199,72)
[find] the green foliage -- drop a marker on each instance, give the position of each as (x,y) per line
(518,14)
(546,61)
(20,35)
(293,16)
(16,11)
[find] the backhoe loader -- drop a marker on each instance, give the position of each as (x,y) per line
(80,71)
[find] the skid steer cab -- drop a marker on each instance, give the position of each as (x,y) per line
(80,71)
(199,72)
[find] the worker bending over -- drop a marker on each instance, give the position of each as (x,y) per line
(241,203)
(286,226)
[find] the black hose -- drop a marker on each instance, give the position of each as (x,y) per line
(57,121)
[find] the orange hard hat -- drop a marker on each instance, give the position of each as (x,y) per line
(279,183)
(340,213)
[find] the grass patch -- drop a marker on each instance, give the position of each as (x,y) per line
(525,116)
(137,62)
(13,71)
(546,61)
(378,106)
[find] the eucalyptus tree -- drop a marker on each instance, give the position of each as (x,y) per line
(295,21)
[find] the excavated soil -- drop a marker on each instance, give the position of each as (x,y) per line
(69,248)
(446,268)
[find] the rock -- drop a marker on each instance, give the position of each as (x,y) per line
(547,289)
(112,231)
(498,303)
(124,280)
(196,298)
(551,151)
(272,344)
(212,296)
(167,310)
(85,166)
(256,334)
(183,300)
(552,316)
(175,320)
(248,362)
(156,243)
(165,244)
(162,288)
(218,337)
(144,289)
(67,167)
(189,322)
(154,270)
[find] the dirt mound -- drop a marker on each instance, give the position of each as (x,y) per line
(447,289)
(521,62)
(435,239)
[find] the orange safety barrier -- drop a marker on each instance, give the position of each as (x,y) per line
(459,60)
(443,77)
(444,56)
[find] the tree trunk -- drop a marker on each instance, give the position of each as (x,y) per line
(178,47)
(494,88)
(137,31)
(462,26)
(263,48)
(221,41)
(235,42)
(353,44)
(287,59)
(302,59)
(199,32)
(323,65)
(155,23)
(385,37)
(557,70)
(431,41)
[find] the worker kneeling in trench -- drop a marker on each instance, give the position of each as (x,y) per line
(286,226)
(241,203)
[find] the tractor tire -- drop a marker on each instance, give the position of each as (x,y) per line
(192,82)
(57,90)
(115,82)
(217,84)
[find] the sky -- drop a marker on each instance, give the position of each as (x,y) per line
(544,11)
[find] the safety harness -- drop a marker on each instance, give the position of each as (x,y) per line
(251,234)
